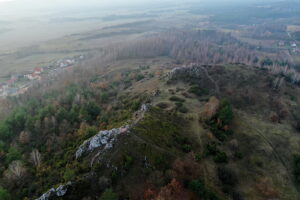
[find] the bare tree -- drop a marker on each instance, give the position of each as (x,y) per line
(36,158)
(16,172)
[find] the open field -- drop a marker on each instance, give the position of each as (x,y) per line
(31,44)
(293,28)
(81,36)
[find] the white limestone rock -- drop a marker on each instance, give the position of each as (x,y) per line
(58,192)
(186,71)
(103,139)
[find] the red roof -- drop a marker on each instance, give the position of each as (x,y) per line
(38,69)
(11,81)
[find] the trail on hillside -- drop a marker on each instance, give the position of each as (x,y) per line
(274,151)
(211,79)
(197,130)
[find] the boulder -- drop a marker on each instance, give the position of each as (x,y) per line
(60,191)
(104,139)
(191,71)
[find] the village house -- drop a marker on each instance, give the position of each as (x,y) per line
(38,70)
(33,76)
(12,80)
(281,43)
(36,74)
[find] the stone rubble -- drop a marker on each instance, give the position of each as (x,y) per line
(58,192)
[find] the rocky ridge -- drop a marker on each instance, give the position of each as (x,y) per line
(55,192)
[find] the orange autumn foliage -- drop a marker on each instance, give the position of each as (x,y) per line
(172,191)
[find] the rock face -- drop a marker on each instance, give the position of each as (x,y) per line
(58,192)
(192,71)
(104,139)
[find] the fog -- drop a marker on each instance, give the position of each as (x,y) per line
(27,22)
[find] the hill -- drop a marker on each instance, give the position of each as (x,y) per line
(176,115)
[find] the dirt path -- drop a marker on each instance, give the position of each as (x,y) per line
(211,79)
(274,151)
(197,129)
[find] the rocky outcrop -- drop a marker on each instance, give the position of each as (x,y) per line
(192,71)
(104,139)
(55,192)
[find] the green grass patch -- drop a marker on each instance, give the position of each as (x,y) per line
(177,99)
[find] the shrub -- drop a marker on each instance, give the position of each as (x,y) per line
(183,109)
(175,98)
(198,157)
(225,114)
(266,61)
(108,194)
(186,148)
(179,104)
(211,149)
(2,145)
(61,114)
(221,157)
(298,126)
(5,132)
(127,162)
(69,175)
(160,161)
(139,77)
(239,155)
(297,166)
(13,154)
(136,105)
(162,105)
(198,91)
(90,132)
(199,188)
(4,195)
(218,133)
(144,67)
(104,96)
(229,181)
(227,176)
(180,107)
